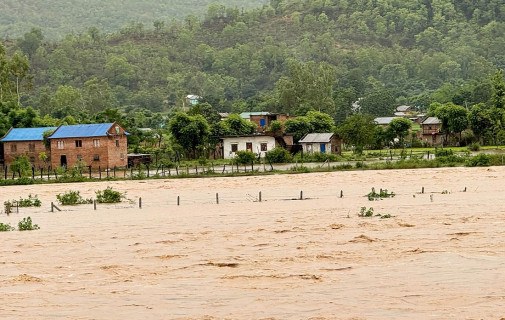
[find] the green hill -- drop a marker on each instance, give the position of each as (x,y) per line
(57,18)
(289,56)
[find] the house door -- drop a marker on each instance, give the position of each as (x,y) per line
(262,123)
(323,147)
(63,160)
(248,146)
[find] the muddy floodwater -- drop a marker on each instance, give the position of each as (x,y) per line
(441,254)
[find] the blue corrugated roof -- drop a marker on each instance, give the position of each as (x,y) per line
(82,131)
(25,134)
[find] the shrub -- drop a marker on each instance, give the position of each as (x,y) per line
(278,155)
(366,213)
(5,227)
(21,165)
(26,224)
(244,157)
(108,196)
(474,146)
(72,198)
(31,201)
(480,160)
(379,196)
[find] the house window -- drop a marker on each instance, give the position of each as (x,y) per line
(96,142)
(248,146)
(263,147)
(234,147)
(31,147)
(78,143)
(117,143)
(96,157)
(61,144)
(121,156)
(32,159)
(14,148)
(79,157)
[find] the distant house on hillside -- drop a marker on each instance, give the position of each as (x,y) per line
(321,142)
(264,119)
(103,145)
(405,109)
(193,99)
(383,121)
(431,131)
(25,141)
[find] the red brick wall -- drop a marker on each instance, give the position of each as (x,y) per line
(109,155)
(23,148)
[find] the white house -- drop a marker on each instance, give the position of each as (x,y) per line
(259,144)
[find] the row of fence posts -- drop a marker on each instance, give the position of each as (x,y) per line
(260,198)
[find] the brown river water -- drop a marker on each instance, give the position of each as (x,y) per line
(440,256)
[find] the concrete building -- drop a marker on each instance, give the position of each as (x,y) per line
(259,144)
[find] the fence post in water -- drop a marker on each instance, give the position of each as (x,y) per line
(41,173)
(94,204)
(301,195)
(140,202)
(464,190)
(52,207)
(178,200)
(259,196)
(217,198)
(33,172)
(147,168)
(341,193)
(224,168)
(422,190)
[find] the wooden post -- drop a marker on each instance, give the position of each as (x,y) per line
(162,170)
(224,168)
(178,200)
(341,193)
(187,169)
(391,154)
(147,168)
(422,190)
(177,170)
(217,198)
(124,172)
(33,172)
(41,173)
(196,168)
(131,172)
(140,202)
(55,174)
(114,171)
(5,172)
(464,190)
(428,155)
(52,207)
(108,171)
(99,173)
(301,195)
(48,176)
(259,196)
(94,204)
(252,166)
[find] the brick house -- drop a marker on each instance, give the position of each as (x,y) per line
(264,119)
(99,145)
(25,141)
(431,132)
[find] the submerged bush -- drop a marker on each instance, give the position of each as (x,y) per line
(278,155)
(72,198)
(5,227)
(108,196)
(26,224)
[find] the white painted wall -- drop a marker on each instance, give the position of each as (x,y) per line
(315,147)
(241,145)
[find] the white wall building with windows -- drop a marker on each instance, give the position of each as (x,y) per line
(259,144)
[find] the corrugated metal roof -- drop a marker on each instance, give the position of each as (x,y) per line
(383,120)
(82,131)
(316,137)
(403,108)
(26,134)
(247,115)
(431,120)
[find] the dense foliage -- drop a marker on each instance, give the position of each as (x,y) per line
(290,56)
(57,17)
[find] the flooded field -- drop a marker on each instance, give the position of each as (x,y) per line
(440,256)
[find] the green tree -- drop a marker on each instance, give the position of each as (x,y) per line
(400,127)
(498,95)
(358,130)
(189,132)
(378,103)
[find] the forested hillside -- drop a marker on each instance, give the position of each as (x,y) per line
(57,17)
(289,56)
